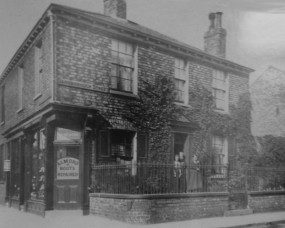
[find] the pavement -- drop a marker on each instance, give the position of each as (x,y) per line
(13,218)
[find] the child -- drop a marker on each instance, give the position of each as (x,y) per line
(177,166)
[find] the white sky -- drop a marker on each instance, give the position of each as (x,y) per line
(255,28)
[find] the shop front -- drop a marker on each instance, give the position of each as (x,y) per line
(50,159)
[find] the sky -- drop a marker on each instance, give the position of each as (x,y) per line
(255,28)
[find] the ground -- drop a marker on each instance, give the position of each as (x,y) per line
(12,218)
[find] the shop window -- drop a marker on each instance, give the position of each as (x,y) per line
(38,165)
(14,148)
(123,66)
(1,163)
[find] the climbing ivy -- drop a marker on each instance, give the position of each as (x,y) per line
(155,109)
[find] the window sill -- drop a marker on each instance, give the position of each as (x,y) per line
(221,111)
(37,96)
(19,110)
(182,104)
(125,94)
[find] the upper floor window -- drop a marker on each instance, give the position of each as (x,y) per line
(38,67)
(180,81)
(2,104)
(220,90)
(220,153)
(20,87)
(122,74)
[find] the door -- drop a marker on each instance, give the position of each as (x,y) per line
(67,173)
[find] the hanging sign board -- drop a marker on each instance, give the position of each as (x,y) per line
(7,165)
(67,168)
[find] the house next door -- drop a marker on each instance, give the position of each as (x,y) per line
(67,149)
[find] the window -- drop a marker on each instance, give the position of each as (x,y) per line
(2,105)
(38,166)
(220,90)
(104,143)
(14,148)
(38,68)
(121,143)
(116,143)
(180,81)
(1,163)
(20,87)
(142,145)
(220,153)
(122,73)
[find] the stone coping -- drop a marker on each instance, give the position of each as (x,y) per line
(159,196)
(266,193)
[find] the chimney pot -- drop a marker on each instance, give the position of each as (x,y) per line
(212,17)
(219,19)
(115,8)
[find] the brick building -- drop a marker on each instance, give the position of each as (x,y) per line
(267,96)
(64,96)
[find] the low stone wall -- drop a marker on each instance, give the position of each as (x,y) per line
(145,209)
(267,201)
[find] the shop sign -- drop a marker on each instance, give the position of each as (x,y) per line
(67,168)
(67,135)
(7,165)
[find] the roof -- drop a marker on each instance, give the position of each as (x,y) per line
(134,30)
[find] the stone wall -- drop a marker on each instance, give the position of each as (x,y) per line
(158,208)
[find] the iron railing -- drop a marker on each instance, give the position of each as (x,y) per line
(146,178)
(157,178)
(265,179)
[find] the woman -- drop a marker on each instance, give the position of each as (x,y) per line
(195,182)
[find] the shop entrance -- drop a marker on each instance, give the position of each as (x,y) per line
(67,186)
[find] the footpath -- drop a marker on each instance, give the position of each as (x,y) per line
(13,218)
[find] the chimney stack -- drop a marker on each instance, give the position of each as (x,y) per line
(115,8)
(215,37)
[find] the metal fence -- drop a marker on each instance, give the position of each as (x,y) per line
(145,178)
(265,179)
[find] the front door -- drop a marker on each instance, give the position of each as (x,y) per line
(67,175)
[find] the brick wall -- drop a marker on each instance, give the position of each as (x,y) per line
(266,201)
(30,105)
(158,209)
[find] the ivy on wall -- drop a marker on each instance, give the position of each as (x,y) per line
(156,108)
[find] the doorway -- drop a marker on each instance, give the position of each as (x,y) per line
(67,185)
